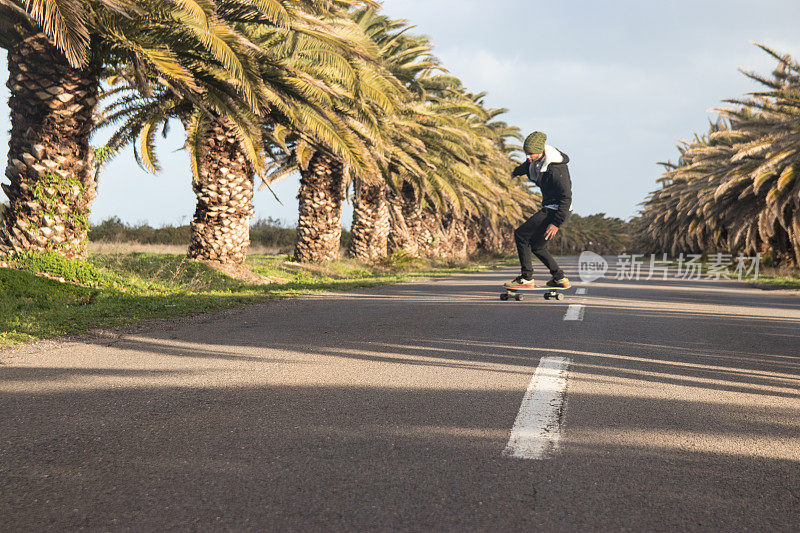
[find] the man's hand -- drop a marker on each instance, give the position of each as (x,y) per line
(550,232)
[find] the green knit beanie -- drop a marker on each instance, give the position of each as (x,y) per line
(534,144)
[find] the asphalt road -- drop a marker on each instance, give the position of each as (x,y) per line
(390,408)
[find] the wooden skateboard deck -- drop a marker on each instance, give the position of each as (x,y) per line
(516,293)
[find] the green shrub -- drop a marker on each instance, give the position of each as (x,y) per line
(114,230)
(111,229)
(272,233)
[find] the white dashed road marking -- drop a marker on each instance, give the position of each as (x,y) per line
(580,291)
(537,428)
(574,312)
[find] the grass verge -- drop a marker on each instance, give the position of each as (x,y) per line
(777,282)
(44,295)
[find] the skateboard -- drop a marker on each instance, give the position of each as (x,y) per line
(549,293)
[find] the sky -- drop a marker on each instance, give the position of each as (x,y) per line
(615,84)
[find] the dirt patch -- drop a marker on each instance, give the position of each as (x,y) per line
(312,267)
(243,273)
(61,280)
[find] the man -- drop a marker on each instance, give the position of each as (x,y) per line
(547,168)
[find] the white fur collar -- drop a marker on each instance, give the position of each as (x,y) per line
(551,155)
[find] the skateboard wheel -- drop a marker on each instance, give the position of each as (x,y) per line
(559,296)
(518,297)
(547,296)
(504,296)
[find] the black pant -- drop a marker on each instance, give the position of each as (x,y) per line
(530,239)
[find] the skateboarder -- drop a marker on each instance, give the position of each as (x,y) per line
(547,168)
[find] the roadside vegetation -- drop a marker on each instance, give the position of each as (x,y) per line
(45,295)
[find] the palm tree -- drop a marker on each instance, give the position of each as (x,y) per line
(736,189)
(319,227)
(57,53)
(223,183)
(673,215)
(405,57)
(764,168)
(49,159)
(419,130)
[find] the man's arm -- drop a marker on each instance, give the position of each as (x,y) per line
(522,170)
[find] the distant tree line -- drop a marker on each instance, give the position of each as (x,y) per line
(597,233)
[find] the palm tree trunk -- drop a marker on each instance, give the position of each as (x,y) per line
(795,233)
(430,240)
(50,163)
(406,221)
(491,239)
(506,239)
(221,223)
(370,231)
(782,251)
(319,228)
(454,236)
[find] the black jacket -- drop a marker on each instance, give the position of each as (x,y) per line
(555,184)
